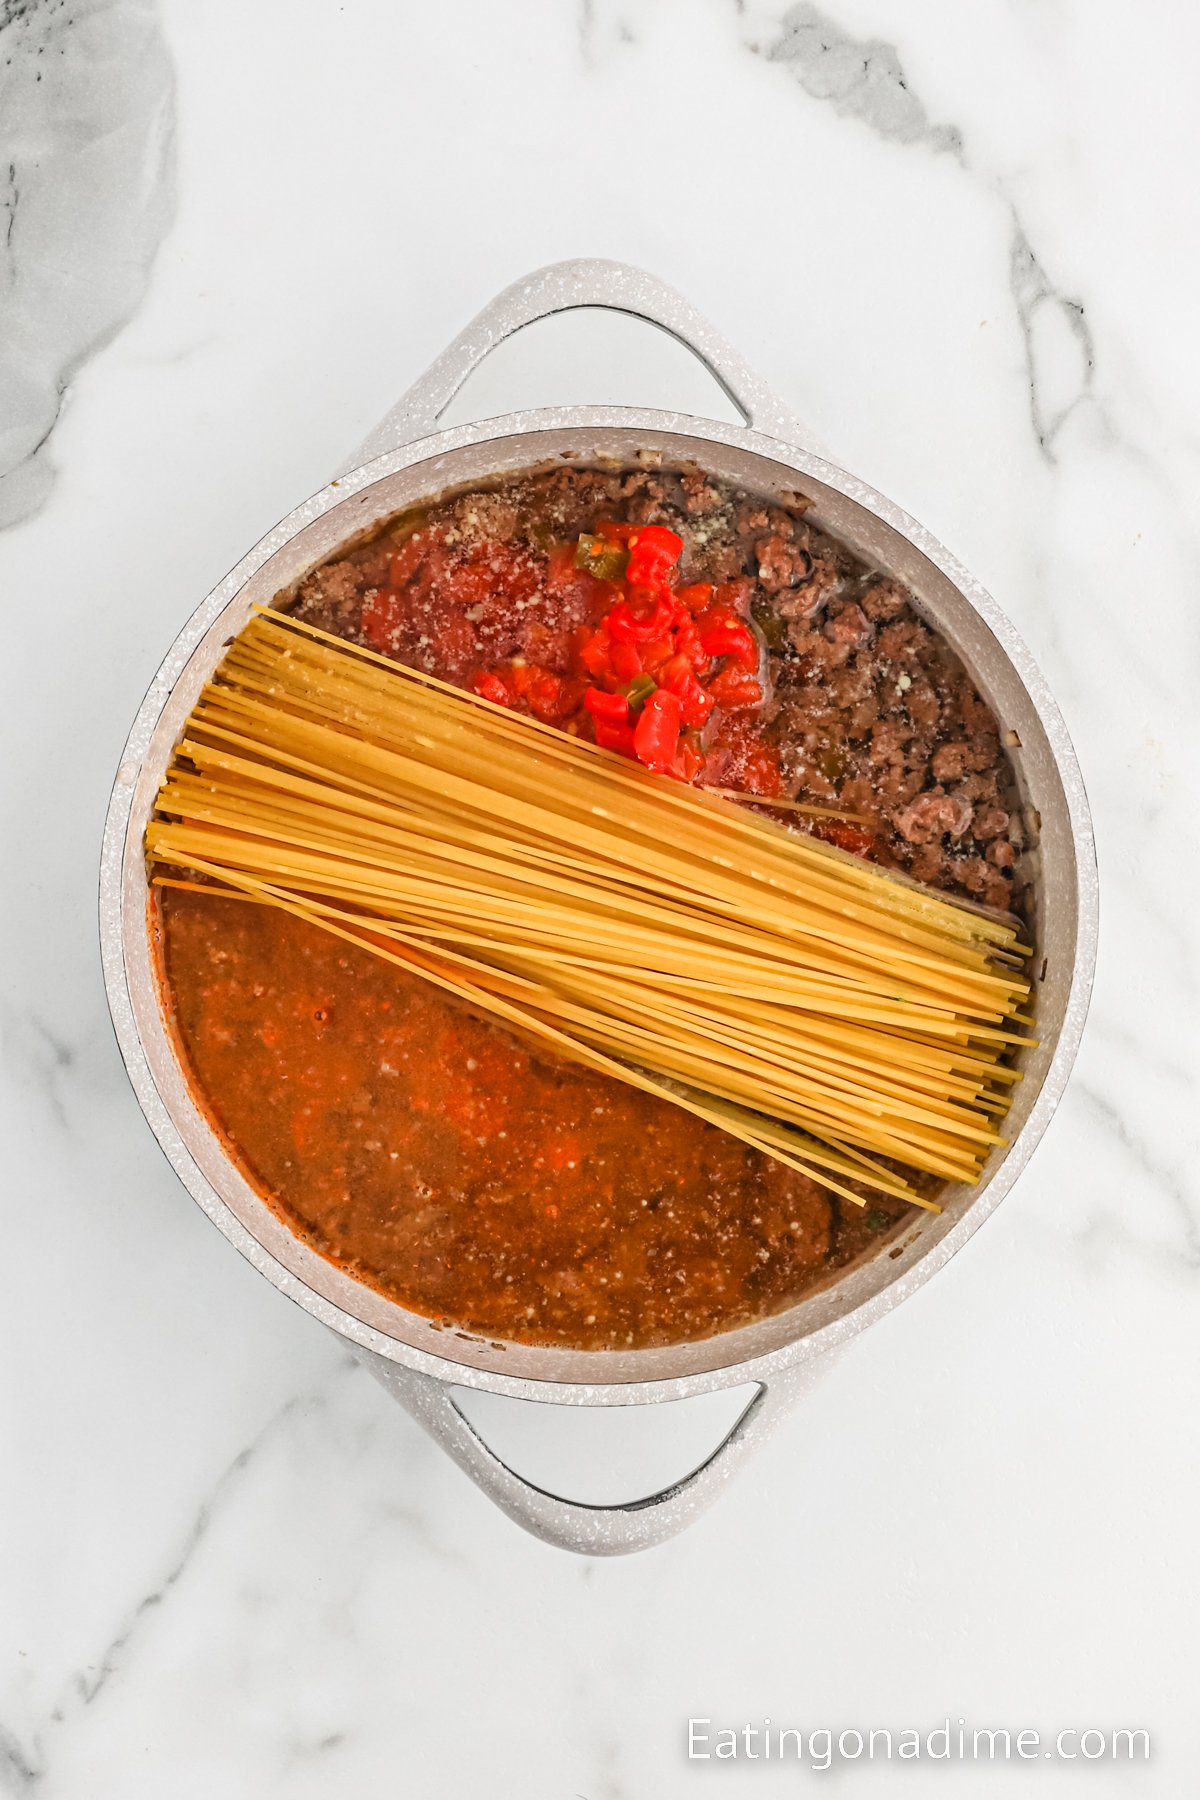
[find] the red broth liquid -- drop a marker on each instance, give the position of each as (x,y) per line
(432,1155)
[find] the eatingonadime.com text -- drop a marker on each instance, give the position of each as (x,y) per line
(952,1740)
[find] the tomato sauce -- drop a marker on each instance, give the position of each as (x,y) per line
(431,1154)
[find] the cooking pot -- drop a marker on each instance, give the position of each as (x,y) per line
(407,460)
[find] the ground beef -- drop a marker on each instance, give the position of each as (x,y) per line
(849,626)
(884,599)
(332,596)
(782,565)
(934,816)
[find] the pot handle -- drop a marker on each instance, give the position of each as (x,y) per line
(562,287)
(572,1524)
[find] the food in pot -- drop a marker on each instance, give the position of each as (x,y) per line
(711,638)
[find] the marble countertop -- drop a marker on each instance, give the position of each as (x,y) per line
(961,243)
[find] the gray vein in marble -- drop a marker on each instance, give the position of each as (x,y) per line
(587,27)
(861,76)
(89,1685)
(23,1766)
(18,1773)
(1060,356)
(864,79)
(26,1766)
(56,1061)
(11,196)
(88,193)
(417,1523)
(56,1066)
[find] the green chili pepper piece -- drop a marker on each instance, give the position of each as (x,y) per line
(640,690)
(600,558)
(773,628)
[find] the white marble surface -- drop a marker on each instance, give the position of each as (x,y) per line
(961,240)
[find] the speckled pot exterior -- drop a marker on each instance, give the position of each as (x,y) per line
(407,459)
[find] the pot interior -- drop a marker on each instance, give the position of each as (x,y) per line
(973,627)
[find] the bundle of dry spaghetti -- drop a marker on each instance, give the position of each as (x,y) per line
(812,1005)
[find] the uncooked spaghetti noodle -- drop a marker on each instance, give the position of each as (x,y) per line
(832,1015)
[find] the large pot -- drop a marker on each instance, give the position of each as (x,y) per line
(406,460)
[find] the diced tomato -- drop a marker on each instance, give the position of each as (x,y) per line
(658,539)
(688,761)
(580,638)
(714,616)
(846,836)
(596,653)
(460,597)
(760,771)
(656,735)
(617,531)
(625,661)
(653,552)
(733,690)
(407,560)
(613,708)
(678,678)
(534,689)
(727,636)
(629,627)
(656,653)
(697,705)
(741,760)
(545,698)
(574,589)
(572,692)
(658,645)
(674,672)
(733,596)
(492,687)
(611,736)
(381,613)
(621,625)
(540,644)
(687,642)
(696,596)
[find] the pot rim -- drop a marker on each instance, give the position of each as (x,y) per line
(702,432)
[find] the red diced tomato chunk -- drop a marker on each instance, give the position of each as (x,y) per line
(656,734)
